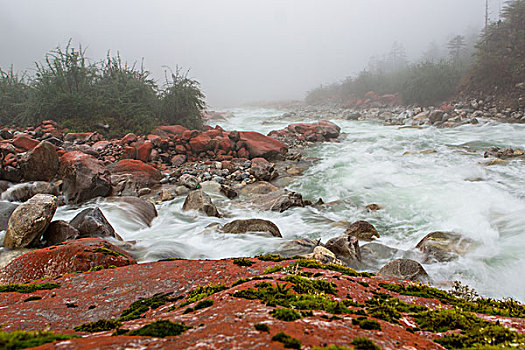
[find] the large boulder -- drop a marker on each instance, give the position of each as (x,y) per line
(324,255)
(200,201)
(59,231)
(71,256)
(297,247)
(141,209)
(6,209)
(406,269)
(168,131)
(91,222)
(22,192)
(259,187)
(41,163)
(345,248)
(363,230)
(278,200)
(261,169)
(444,246)
(144,174)
(252,225)
(84,177)
(261,146)
(29,221)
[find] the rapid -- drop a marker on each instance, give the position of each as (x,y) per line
(425,179)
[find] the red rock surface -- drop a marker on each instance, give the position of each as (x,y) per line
(314,132)
(142,172)
(71,256)
(259,145)
(227,324)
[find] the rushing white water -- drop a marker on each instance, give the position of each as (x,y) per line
(445,189)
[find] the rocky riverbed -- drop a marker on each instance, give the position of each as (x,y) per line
(77,202)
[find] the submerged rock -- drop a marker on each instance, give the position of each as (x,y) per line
(6,209)
(72,256)
(363,230)
(252,225)
(444,246)
(91,222)
(278,200)
(200,201)
(141,209)
(29,221)
(298,247)
(372,253)
(345,248)
(406,269)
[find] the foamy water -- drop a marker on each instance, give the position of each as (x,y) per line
(444,188)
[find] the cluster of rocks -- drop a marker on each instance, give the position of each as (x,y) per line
(301,133)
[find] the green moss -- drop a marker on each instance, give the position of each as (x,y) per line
(505,307)
(366,323)
(243,262)
(287,341)
(484,337)
(200,305)
(442,320)
(106,251)
(309,286)
(363,343)
(388,308)
(275,257)
(140,306)
(29,339)
(244,280)
(32,297)
(160,329)
(261,327)
(171,259)
(364,284)
(98,326)
(285,314)
(273,269)
(27,288)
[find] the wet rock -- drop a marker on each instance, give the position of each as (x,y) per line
(71,256)
(200,201)
(24,142)
(504,153)
(373,253)
(4,185)
(91,222)
(444,246)
(6,209)
(252,225)
(406,269)
(166,194)
(374,207)
(189,181)
(144,174)
(298,247)
(324,255)
(29,221)
(436,116)
(279,200)
(261,146)
(345,248)
(211,187)
(178,160)
(59,231)
(261,169)
(139,208)
(259,187)
(229,192)
(41,163)
(363,230)
(84,177)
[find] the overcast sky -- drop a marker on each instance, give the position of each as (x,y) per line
(240,50)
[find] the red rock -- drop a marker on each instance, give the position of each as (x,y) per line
(188,134)
(143,173)
(129,138)
(200,143)
(144,151)
(84,177)
(71,256)
(41,163)
(25,142)
(50,122)
(169,129)
(128,152)
(178,160)
(6,147)
(180,149)
(243,153)
(100,145)
(10,159)
(259,145)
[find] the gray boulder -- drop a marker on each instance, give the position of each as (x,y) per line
(406,269)
(252,225)
(29,221)
(200,201)
(6,209)
(444,246)
(345,248)
(41,163)
(279,200)
(91,222)
(141,209)
(298,247)
(363,230)
(59,231)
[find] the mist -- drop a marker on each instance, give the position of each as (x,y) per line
(240,51)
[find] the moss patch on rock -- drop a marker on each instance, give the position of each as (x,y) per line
(27,288)
(29,339)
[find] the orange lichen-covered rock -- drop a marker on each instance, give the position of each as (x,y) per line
(259,145)
(71,256)
(143,173)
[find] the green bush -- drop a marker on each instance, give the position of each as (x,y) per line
(14,93)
